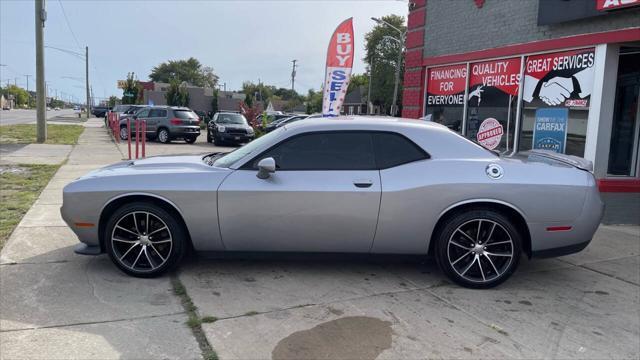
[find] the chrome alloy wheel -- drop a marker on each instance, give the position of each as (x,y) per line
(141,241)
(480,250)
(163,136)
(124,134)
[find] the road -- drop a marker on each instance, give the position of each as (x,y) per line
(20,116)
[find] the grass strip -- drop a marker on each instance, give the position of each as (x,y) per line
(20,186)
(26,134)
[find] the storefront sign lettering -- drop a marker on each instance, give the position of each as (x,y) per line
(606,5)
(445,85)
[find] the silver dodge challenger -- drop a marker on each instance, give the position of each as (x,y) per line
(341,185)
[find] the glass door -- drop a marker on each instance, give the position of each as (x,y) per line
(625,132)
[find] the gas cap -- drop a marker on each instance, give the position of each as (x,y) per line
(494,171)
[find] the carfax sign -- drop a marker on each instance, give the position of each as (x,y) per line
(550,129)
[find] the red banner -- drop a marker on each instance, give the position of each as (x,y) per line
(338,72)
(502,74)
(445,85)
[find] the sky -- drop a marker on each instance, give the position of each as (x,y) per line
(241,40)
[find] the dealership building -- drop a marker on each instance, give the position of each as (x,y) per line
(560,75)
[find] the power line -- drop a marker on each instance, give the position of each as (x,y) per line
(69,25)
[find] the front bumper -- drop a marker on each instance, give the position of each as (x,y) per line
(234,137)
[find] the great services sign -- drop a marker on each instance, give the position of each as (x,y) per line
(338,70)
(606,5)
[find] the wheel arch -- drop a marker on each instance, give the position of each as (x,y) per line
(114,203)
(511,211)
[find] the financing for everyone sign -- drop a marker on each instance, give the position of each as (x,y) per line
(445,85)
(550,129)
(338,70)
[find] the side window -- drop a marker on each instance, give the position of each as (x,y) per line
(143,113)
(394,149)
(162,113)
(157,113)
(323,151)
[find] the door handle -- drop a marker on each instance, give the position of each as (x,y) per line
(362,183)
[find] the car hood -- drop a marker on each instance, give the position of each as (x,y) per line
(156,165)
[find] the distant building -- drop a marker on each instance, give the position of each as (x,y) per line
(7,102)
(355,103)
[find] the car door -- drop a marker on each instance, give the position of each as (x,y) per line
(323,197)
(142,115)
(155,115)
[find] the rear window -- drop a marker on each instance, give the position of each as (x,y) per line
(185,114)
(394,149)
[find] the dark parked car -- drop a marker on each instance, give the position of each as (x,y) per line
(99,111)
(165,123)
(281,122)
(228,127)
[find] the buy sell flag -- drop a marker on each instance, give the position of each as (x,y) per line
(338,71)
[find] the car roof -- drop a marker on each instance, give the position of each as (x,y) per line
(365,122)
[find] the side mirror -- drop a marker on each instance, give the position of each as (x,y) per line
(266,166)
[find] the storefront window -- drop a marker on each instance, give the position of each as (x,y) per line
(556,97)
(492,102)
(445,95)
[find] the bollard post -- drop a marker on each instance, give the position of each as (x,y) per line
(137,137)
(144,137)
(129,136)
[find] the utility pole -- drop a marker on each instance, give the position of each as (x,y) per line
(27,81)
(40,17)
(86,70)
(369,104)
(293,75)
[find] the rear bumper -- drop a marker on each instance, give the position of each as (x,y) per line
(184,131)
(548,243)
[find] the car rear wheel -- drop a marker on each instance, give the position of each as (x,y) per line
(190,139)
(209,140)
(144,240)
(163,136)
(478,248)
(124,134)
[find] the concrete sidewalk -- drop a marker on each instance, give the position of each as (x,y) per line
(55,304)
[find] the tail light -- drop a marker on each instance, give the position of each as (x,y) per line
(175,121)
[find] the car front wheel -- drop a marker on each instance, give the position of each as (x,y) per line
(478,248)
(163,136)
(190,139)
(144,240)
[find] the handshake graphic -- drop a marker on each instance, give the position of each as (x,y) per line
(555,91)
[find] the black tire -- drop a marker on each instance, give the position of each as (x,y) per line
(123,133)
(209,137)
(161,256)
(469,257)
(164,136)
(190,139)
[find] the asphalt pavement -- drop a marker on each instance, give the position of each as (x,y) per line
(22,116)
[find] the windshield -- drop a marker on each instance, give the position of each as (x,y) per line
(231,119)
(230,158)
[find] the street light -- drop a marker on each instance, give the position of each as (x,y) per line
(400,41)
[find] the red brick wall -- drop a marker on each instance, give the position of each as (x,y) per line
(414,72)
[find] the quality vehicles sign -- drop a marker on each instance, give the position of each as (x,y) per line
(492,100)
(338,71)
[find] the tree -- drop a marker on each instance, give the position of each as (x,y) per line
(20,95)
(190,71)
(381,59)
(314,101)
(258,92)
(214,102)
(113,100)
(177,94)
(358,80)
(132,90)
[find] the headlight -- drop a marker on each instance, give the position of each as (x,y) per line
(221,128)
